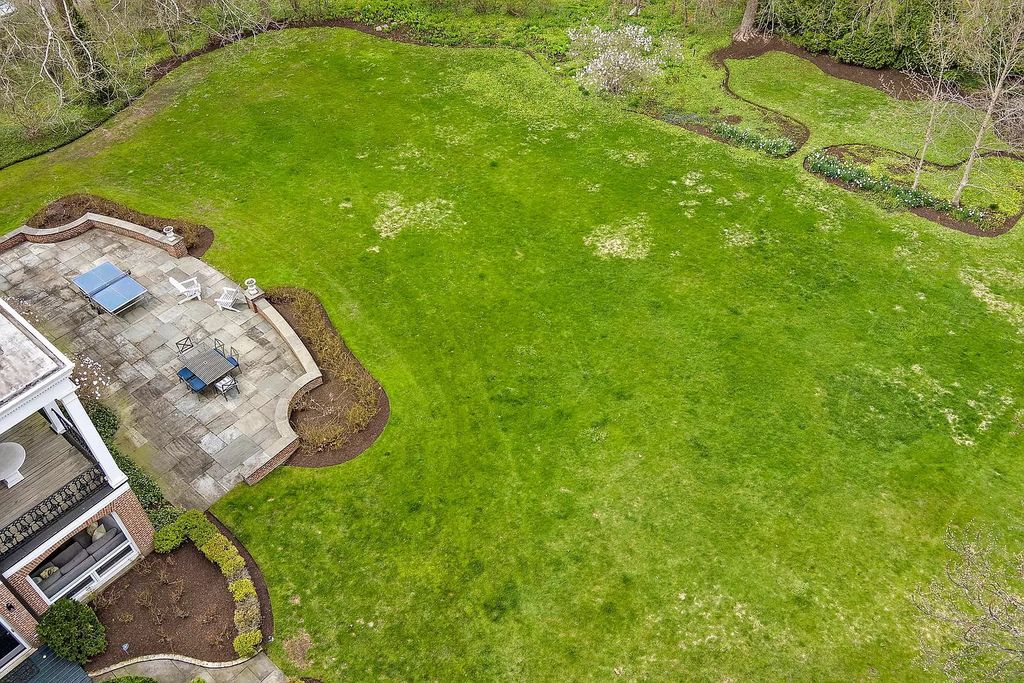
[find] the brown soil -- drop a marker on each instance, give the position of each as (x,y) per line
(330,391)
(262,592)
(890,81)
(205,628)
(198,237)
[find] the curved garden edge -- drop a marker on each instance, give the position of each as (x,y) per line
(256,574)
(361,439)
(170,657)
(930,214)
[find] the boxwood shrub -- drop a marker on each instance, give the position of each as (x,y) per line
(72,630)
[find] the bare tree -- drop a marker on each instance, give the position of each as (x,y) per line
(994,42)
(748,23)
(937,55)
(973,617)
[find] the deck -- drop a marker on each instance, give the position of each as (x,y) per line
(50,463)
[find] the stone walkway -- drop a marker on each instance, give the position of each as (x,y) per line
(197,445)
(259,669)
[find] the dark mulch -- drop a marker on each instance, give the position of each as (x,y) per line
(266,614)
(331,390)
(891,81)
(199,624)
(198,237)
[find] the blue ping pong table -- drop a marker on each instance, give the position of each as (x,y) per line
(110,288)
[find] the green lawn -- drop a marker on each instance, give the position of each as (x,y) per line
(732,457)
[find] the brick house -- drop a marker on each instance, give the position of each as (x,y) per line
(69,522)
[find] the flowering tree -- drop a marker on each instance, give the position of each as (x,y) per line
(619,60)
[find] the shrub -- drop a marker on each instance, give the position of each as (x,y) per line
(247,643)
(187,525)
(132,679)
(105,419)
(247,615)
(72,630)
(242,589)
(224,554)
(617,61)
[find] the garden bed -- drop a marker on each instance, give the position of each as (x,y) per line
(198,238)
(176,603)
(342,417)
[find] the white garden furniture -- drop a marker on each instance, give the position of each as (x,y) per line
(227,298)
(12,457)
(188,289)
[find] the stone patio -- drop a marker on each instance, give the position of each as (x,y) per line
(197,445)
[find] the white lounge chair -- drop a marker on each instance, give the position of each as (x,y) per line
(189,289)
(227,298)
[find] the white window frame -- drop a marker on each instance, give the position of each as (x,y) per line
(17,656)
(98,581)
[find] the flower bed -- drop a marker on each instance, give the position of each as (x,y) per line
(194,526)
(859,178)
(736,135)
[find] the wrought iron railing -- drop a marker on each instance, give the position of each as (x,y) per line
(51,509)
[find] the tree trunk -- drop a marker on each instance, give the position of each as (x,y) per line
(929,133)
(746,29)
(985,123)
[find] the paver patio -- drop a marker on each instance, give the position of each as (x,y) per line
(259,669)
(197,445)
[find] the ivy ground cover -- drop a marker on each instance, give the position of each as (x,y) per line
(661,408)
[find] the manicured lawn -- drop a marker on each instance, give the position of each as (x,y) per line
(732,457)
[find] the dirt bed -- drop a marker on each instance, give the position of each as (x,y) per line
(176,603)
(71,207)
(331,391)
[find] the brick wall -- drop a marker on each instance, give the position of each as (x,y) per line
(20,619)
(136,524)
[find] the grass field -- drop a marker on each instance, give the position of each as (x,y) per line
(661,409)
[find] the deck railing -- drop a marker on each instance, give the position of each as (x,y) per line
(51,509)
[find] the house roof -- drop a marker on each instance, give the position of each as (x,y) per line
(27,359)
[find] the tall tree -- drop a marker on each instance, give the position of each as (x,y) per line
(994,51)
(937,55)
(748,24)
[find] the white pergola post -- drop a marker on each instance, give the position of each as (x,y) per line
(92,439)
(50,410)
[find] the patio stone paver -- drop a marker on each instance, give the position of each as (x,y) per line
(259,669)
(198,446)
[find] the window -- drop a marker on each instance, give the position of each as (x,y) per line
(83,563)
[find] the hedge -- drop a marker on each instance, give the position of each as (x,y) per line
(194,526)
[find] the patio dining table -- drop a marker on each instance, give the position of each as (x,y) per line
(209,365)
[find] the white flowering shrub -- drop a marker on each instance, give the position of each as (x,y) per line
(617,61)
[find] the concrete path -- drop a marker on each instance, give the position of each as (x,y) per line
(259,669)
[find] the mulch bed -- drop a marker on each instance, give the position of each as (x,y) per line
(890,81)
(73,206)
(262,592)
(198,624)
(330,390)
